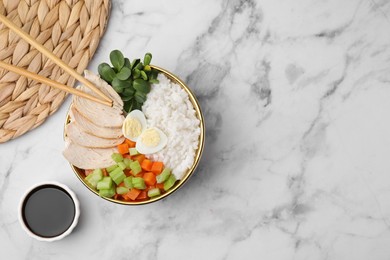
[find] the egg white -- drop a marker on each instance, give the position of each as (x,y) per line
(137,114)
(144,149)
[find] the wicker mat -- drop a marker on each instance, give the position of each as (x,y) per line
(71,29)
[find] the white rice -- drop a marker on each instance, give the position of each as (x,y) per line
(168,108)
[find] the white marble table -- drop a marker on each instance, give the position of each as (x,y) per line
(296,96)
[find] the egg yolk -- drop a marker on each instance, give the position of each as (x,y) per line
(150,137)
(133,127)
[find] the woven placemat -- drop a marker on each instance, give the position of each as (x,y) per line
(71,29)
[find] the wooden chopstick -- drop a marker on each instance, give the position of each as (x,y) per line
(51,83)
(51,56)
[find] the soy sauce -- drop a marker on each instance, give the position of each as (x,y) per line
(48,211)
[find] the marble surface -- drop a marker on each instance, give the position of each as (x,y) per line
(296,163)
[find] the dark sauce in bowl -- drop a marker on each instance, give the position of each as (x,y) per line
(48,211)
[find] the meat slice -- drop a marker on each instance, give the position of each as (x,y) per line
(78,136)
(90,128)
(105,88)
(88,158)
(98,113)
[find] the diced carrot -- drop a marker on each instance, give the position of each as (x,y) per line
(105,173)
(140,158)
(132,194)
(122,184)
(160,186)
(142,195)
(146,165)
(127,156)
(88,172)
(116,196)
(123,148)
(149,178)
(157,167)
(130,143)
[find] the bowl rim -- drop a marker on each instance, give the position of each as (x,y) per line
(198,154)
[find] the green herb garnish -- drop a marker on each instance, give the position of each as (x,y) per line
(131,80)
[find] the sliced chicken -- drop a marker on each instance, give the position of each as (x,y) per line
(78,136)
(105,88)
(98,113)
(90,128)
(88,158)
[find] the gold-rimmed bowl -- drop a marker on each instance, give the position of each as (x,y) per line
(80,175)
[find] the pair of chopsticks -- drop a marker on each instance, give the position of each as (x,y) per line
(107,101)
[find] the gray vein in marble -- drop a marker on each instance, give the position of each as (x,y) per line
(380,6)
(219,27)
(249,232)
(383,218)
(337,82)
(333,87)
(333,33)
(5,184)
(297,182)
(209,75)
(262,88)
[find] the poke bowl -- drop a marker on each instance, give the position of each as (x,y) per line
(137,166)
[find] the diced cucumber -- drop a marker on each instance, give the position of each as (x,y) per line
(116,171)
(117,175)
(135,167)
(138,183)
(163,176)
(117,157)
(127,161)
(122,165)
(122,190)
(108,192)
(128,182)
(170,182)
(111,168)
(104,184)
(133,151)
(154,192)
(98,172)
(93,179)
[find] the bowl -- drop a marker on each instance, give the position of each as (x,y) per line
(49,211)
(190,171)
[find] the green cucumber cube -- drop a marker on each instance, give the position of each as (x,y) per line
(117,157)
(133,151)
(163,176)
(122,190)
(108,192)
(127,161)
(111,168)
(93,179)
(138,183)
(154,192)
(128,182)
(170,182)
(117,175)
(135,167)
(122,165)
(104,184)
(98,172)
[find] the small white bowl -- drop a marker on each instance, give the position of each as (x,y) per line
(71,227)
